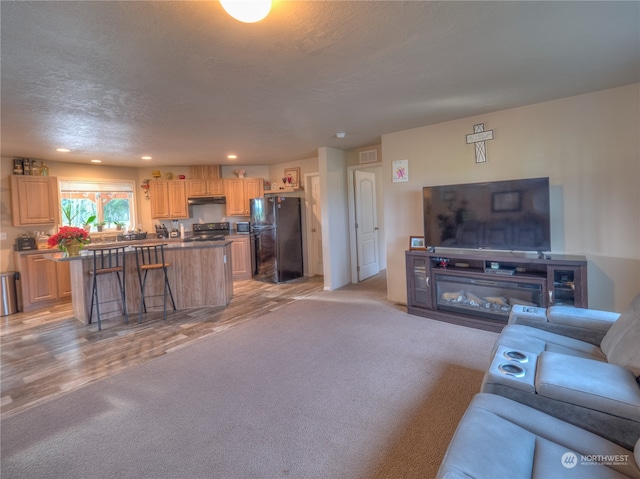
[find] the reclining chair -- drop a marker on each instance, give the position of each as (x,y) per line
(576,364)
(500,438)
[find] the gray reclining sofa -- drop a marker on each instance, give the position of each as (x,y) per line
(564,384)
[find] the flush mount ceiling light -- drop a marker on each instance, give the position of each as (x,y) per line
(63,150)
(341,134)
(247,11)
(146,157)
(232,157)
(96,161)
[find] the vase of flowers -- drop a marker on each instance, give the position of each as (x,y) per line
(69,239)
(239,173)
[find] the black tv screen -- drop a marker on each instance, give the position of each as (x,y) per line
(501,215)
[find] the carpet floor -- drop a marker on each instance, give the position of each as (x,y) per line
(342,384)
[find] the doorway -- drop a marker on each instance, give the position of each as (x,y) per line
(366,222)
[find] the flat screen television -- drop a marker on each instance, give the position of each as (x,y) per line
(500,215)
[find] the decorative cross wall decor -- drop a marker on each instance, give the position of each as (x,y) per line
(478,137)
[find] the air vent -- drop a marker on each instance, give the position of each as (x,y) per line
(369,156)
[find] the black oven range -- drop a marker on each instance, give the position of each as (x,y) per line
(208,232)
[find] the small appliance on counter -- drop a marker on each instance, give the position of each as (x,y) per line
(175,232)
(243,227)
(161,231)
(25,243)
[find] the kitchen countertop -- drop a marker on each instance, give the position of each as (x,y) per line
(172,244)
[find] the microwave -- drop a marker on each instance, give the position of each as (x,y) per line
(243,227)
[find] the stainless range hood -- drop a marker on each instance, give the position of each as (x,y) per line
(207,200)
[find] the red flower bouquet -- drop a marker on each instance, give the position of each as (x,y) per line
(69,239)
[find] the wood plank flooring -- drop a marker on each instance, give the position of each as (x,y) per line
(48,353)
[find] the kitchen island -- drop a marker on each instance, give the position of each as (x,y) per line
(199,273)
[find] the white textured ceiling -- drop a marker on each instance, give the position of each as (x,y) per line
(187,84)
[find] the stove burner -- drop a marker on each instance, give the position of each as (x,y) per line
(208,232)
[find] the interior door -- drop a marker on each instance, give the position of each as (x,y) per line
(366,227)
(315,224)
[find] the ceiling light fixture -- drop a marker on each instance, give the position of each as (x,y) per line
(247,11)
(146,157)
(341,134)
(63,150)
(232,157)
(96,161)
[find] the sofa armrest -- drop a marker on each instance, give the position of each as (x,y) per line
(591,384)
(589,325)
(582,318)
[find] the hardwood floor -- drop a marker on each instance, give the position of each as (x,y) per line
(48,353)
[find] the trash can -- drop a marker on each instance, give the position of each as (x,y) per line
(9,297)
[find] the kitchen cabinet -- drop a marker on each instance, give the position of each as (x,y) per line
(43,282)
(34,200)
(203,187)
(168,199)
(241,257)
(239,191)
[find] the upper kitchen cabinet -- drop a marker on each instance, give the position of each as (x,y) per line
(239,191)
(34,200)
(204,187)
(168,199)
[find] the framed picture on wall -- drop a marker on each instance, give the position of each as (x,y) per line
(292,176)
(416,243)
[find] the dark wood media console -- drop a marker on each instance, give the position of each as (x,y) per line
(479,288)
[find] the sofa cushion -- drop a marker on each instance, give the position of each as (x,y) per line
(500,438)
(534,340)
(621,344)
(591,384)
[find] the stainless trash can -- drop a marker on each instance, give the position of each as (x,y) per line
(9,297)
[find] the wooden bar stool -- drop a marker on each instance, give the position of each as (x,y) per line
(151,257)
(107,259)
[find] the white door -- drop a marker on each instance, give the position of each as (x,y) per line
(315,224)
(366,227)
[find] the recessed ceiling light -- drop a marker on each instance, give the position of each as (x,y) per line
(96,161)
(63,150)
(146,157)
(232,157)
(247,11)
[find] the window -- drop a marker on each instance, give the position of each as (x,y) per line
(110,203)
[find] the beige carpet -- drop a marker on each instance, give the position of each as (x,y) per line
(338,385)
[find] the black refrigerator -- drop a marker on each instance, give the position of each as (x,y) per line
(277,226)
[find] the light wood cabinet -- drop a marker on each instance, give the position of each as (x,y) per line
(168,199)
(34,200)
(63,274)
(239,191)
(241,257)
(43,282)
(203,187)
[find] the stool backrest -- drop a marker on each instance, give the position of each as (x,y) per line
(109,257)
(150,254)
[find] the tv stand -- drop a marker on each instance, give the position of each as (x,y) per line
(478,288)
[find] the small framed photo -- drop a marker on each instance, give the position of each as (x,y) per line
(292,175)
(417,243)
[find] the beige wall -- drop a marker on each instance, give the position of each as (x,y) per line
(587,145)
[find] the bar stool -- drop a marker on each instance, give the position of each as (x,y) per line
(108,259)
(151,257)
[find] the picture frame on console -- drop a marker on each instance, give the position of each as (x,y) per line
(416,243)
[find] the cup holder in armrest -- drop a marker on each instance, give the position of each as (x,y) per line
(511,369)
(516,356)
